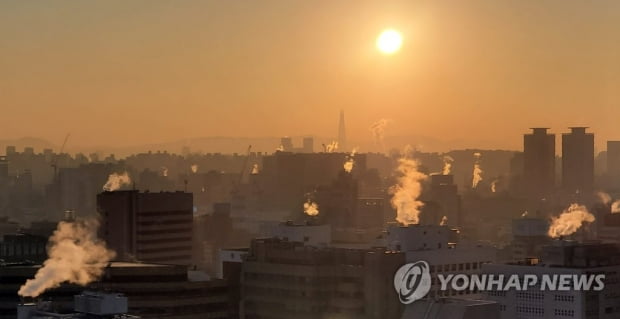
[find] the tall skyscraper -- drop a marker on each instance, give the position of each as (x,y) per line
(577,160)
(613,159)
(150,227)
(539,163)
(342,135)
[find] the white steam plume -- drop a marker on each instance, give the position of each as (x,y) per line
(331,147)
(447,164)
(255,169)
(494,185)
(311,208)
(116,181)
(350,162)
(615,207)
(444,221)
(407,190)
(604,197)
(378,131)
(194,168)
(477,173)
(76,256)
(569,221)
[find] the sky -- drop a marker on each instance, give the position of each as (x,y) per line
(132,72)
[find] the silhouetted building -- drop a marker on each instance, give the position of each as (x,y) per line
(287,144)
(539,163)
(308,145)
(444,193)
(567,258)
(154,290)
(578,160)
(4,169)
(529,237)
(613,161)
(283,279)
(150,227)
(23,247)
(288,177)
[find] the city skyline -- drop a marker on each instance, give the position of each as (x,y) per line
(193,66)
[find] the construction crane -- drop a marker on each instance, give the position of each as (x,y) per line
(54,163)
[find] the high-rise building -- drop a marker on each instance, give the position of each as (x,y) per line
(613,159)
(566,258)
(577,160)
(287,144)
(149,227)
(539,163)
(439,247)
(444,193)
(285,279)
(4,169)
(308,145)
(342,135)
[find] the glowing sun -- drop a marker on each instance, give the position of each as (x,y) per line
(389,41)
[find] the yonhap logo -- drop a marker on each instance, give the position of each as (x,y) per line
(412,281)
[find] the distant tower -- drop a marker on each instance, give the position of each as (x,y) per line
(539,163)
(578,160)
(342,136)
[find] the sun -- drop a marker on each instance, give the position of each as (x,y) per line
(389,41)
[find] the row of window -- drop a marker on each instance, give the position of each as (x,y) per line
(457,267)
(564,312)
(537,311)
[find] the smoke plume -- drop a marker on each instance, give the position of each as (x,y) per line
(604,197)
(407,190)
(444,221)
(447,165)
(378,131)
(569,221)
(331,147)
(194,168)
(311,208)
(494,185)
(350,162)
(477,173)
(116,181)
(615,207)
(76,256)
(255,169)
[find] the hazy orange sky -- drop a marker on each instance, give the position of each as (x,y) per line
(131,72)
